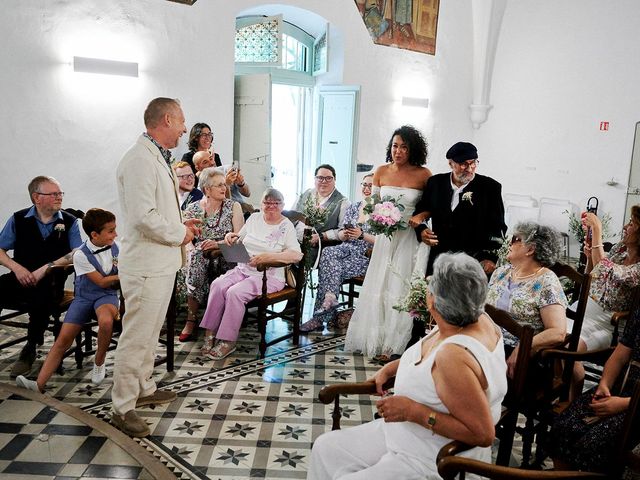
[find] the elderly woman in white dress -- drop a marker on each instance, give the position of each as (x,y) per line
(449,386)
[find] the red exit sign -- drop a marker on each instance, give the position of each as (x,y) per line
(604,126)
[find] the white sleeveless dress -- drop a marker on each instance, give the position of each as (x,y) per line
(375,326)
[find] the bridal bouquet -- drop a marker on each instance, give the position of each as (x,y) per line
(314,213)
(385,215)
(415,302)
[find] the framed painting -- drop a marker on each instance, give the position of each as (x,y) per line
(409,24)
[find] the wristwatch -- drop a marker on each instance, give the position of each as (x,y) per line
(50,265)
(361,237)
(431,421)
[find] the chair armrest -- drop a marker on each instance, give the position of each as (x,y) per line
(450,467)
(212,253)
(329,392)
(596,356)
(261,267)
(617,317)
(452,448)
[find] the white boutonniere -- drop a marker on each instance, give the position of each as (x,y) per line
(59,228)
(114,261)
(467,197)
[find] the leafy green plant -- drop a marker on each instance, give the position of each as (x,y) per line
(576,230)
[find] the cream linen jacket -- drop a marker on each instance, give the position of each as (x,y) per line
(153,229)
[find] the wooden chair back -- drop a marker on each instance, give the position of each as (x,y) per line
(579,292)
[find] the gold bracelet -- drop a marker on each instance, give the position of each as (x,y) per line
(597,246)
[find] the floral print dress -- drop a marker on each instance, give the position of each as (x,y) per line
(592,447)
(524,299)
(338,263)
(612,282)
(214,227)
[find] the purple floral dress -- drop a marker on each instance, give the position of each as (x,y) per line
(339,263)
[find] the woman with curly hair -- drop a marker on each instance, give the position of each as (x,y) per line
(376,328)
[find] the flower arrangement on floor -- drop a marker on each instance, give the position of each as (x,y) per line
(385,215)
(415,302)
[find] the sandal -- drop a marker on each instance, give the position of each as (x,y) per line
(208,346)
(221,350)
(187,337)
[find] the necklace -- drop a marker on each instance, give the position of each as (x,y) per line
(516,278)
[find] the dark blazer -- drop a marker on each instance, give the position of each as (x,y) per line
(475,227)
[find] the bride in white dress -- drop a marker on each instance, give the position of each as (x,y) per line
(375,327)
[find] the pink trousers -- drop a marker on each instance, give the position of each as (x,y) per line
(228,296)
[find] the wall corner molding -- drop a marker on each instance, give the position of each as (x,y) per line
(487,20)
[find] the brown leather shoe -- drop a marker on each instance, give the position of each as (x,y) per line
(156,398)
(131,424)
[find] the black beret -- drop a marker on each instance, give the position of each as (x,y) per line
(461,152)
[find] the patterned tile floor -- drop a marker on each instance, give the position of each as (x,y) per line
(236,418)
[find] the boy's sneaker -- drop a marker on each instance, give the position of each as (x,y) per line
(98,374)
(24,382)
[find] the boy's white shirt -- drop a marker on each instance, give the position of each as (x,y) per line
(81,263)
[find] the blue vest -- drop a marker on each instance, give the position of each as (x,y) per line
(84,287)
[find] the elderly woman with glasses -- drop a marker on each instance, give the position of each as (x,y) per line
(448,386)
(526,288)
(219,216)
(342,261)
(268,236)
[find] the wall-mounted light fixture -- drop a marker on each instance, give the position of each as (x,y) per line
(415,102)
(107,67)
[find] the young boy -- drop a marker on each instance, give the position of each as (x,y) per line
(96,268)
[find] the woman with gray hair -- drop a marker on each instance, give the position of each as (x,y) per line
(528,290)
(268,236)
(449,386)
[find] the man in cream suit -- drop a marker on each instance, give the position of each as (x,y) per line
(150,256)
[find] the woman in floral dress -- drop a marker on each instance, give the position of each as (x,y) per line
(529,291)
(219,216)
(585,435)
(343,261)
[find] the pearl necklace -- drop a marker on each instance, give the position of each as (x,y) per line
(517,278)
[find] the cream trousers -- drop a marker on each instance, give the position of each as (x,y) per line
(146,302)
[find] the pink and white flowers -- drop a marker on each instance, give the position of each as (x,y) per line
(385,215)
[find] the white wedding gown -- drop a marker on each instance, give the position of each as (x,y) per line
(375,327)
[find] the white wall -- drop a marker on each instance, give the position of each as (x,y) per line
(561,68)
(76,126)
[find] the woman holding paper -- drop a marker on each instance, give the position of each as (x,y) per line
(268,236)
(219,216)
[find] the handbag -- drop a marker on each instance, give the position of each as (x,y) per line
(290,276)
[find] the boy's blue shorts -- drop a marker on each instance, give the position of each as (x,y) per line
(81,310)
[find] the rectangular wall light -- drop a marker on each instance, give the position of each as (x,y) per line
(415,102)
(107,67)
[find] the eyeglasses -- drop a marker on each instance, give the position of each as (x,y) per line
(515,239)
(271,204)
(366,185)
(207,135)
(188,176)
(54,194)
(218,185)
(469,164)
(322,179)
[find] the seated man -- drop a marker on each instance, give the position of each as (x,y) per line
(186,184)
(41,237)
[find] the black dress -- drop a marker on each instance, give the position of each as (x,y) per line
(592,447)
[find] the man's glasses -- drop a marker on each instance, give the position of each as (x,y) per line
(515,239)
(271,204)
(207,135)
(366,185)
(322,179)
(188,176)
(54,194)
(470,164)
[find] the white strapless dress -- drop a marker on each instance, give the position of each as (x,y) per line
(375,326)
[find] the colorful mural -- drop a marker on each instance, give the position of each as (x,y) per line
(409,24)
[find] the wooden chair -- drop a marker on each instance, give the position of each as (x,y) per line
(261,308)
(556,380)
(450,465)
(505,428)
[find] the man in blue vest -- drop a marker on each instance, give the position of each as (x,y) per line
(41,236)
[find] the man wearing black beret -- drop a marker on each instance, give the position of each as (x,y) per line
(466,210)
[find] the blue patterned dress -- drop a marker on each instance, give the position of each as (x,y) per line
(339,263)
